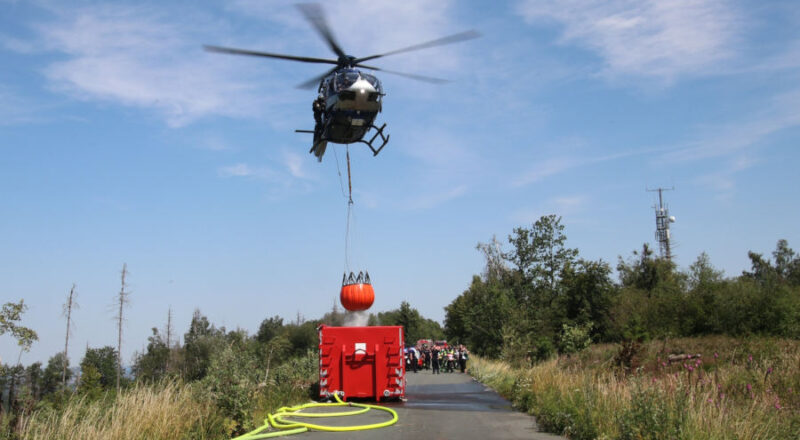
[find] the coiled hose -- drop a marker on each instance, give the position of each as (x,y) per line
(289,427)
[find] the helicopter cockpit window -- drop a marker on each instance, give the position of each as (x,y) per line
(345,80)
(373,80)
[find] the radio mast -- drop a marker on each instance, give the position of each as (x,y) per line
(663,219)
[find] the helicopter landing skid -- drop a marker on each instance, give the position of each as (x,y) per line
(384,139)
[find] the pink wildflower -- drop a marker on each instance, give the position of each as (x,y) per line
(663,364)
(749,388)
(710,400)
(750,358)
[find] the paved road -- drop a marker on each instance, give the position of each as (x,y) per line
(444,406)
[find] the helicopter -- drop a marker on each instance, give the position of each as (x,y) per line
(348,99)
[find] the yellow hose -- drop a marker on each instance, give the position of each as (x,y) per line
(288,427)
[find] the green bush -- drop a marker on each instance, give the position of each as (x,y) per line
(651,417)
(574,338)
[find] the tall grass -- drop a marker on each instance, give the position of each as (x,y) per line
(170,410)
(735,389)
(235,396)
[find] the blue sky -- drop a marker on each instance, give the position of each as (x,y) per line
(121,140)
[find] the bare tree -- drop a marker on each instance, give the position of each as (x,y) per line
(122,299)
(169,338)
(68,306)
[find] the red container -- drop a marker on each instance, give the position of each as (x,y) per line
(363,362)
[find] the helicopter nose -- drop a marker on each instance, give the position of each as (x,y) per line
(364,92)
(362,87)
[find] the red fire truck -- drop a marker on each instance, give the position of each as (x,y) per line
(362,362)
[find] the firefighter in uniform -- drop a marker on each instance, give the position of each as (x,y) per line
(319,108)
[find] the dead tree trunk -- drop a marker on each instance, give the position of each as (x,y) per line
(122,298)
(68,311)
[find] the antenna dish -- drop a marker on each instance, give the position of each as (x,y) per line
(672,219)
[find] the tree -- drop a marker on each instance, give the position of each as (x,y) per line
(702,274)
(269,328)
(122,299)
(68,306)
(152,364)
(495,261)
(10,315)
(787,263)
(540,255)
(198,345)
(587,297)
(35,375)
(54,376)
(103,362)
(478,316)
(786,269)
(90,385)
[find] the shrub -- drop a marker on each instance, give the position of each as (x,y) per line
(574,338)
(650,416)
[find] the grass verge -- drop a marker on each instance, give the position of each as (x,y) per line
(727,389)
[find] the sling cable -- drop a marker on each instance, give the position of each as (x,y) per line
(357,293)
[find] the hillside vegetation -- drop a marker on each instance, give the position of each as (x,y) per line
(658,353)
(540,297)
(728,389)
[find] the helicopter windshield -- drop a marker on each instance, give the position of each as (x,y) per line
(346,79)
(372,80)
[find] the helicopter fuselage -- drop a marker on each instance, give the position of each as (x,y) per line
(352,102)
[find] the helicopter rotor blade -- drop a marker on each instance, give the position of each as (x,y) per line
(314,14)
(230,50)
(428,79)
(313,82)
(455,38)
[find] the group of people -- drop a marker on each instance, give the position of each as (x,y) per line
(437,358)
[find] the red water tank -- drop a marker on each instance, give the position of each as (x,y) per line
(364,362)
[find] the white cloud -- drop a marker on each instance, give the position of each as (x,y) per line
(547,168)
(569,204)
(557,165)
(432,199)
(213,143)
(652,38)
(724,181)
(16,44)
(142,58)
(237,170)
(296,165)
(565,206)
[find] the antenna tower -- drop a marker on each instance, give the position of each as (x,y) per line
(663,219)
